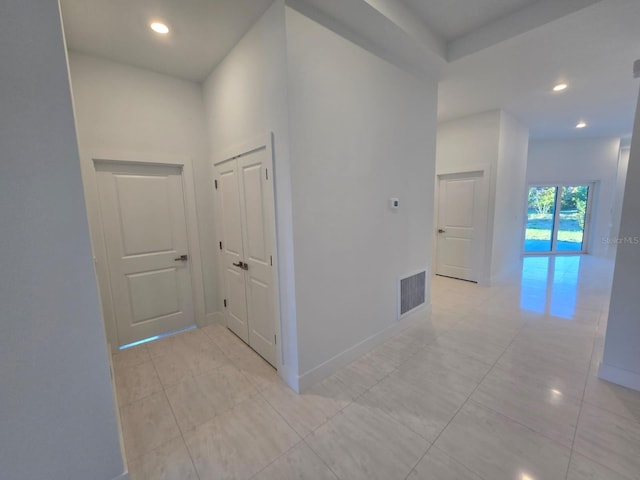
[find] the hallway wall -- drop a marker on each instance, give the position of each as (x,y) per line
(362,131)
(246,96)
(57,412)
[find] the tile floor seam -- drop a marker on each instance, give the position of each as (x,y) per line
(584,390)
(458,411)
(322,460)
(277,458)
(175,419)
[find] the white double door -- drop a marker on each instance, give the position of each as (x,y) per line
(244,192)
(145,231)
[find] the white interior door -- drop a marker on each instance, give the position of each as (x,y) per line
(458,216)
(232,248)
(257,221)
(245,196)
(145,230)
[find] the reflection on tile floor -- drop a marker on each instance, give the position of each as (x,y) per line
(497,383)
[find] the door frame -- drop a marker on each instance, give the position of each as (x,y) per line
(90,181)
(482,255)
(259,142)
(594,187)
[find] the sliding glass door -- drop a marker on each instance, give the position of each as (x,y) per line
(557,218)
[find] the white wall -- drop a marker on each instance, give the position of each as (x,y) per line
(57,413)
(621,359)
(581,161)
(362,131)
(120,108)
(511,191)
(245,96)
(621,178)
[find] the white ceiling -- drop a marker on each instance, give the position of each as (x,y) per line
(507,54)
(593,50)
(452,19)
(202,31)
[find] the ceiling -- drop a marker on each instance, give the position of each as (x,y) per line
(593,50)
(452,19)
(493,54)
(202,31)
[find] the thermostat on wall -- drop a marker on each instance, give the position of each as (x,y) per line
(395,204)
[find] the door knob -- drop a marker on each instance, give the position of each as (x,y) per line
(181,258)
(239,265)
(441,230)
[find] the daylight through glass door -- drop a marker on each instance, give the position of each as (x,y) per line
(557,218)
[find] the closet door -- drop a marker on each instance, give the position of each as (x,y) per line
(227,186)
(256,203)
(246,219)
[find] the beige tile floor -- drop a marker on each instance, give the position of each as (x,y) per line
(497,383)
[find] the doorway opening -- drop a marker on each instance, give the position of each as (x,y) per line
(558,218)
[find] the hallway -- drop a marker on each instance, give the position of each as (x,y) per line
(497,383)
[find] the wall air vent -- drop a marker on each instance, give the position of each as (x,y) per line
(412,292)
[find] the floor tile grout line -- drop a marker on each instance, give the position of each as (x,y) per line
(175,419)
(460,408)
(584,391)
(303,438)
(322,460)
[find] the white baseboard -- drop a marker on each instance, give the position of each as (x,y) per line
(122,476)
(619,376)
(325,369)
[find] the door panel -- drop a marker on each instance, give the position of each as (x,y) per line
(145,231)
(255,203)
(232,248)
(459,197)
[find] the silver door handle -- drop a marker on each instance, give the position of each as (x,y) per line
(181,258)
(242,265)
(441,231)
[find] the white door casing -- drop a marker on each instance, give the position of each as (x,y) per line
(145,233)
(246,221)
(459,247)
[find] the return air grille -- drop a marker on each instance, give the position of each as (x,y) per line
(412,292)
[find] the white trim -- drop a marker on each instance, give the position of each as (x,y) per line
(122,476)
(483,168)
(89,177)
(619,376)
(332,365)
(266,141)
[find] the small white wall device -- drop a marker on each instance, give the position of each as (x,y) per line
(394,203)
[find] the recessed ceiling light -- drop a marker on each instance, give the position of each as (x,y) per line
(581,124)
(159,27)
(560,87)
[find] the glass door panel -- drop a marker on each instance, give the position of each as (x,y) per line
(572,217)
(540,219)
(557,218)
